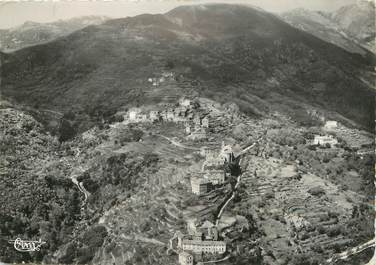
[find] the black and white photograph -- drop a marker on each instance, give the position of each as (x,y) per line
(187,132)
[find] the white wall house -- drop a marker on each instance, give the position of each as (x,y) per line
(323,140)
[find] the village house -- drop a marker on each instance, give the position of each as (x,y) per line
(209,231)
(170,115)
(331,125)
(187,128)
(181,111)
(227,153)
(323,140)
(213,161)
(184,102)
(133,114)
(205,122)
(155,82)
(163,115)
(200,186)
(154,115)
(197,121)
(197,134)
(216,177)
(203,246)
(192,224)
(206,152)
(142,118)
(185,258)
(167,74)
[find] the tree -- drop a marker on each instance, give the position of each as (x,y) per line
(66,130)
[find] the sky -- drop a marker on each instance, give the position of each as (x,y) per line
(16,13)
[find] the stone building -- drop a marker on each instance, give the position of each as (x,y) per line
(216,177)
(206,230)
(133,114)
(203,246)
(213,161)
(227,153)
(323,140)
(197,134)
(197,121)
(192,224)
(200,186)
(331,125)
(209,231)
(185,258)
(205,122)
(185,102)
(154,115)
(187,128)
(170,115)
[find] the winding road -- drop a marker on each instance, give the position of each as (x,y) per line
(355,250)
(245,150)
(80,187)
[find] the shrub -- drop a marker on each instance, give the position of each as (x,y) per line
(335,231)
(316,191)
(94,237)
(321,229)
(66,131)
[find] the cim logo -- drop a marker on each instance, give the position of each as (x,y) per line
(27,246)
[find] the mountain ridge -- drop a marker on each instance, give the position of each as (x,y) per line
(33,33)
(350,27)
(66,73)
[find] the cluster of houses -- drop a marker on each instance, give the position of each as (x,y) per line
(324,140)
(177,114)
(156,81)
(202,238)
(195,125)
(212,172)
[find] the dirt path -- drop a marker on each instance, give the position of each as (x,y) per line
(228,201)
(80,187)
(143,239)
(216,261)
(348,253)
(236,185)
(178,144)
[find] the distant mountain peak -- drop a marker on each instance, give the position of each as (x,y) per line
(365,4)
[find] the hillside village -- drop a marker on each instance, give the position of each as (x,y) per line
(209,134)
(201,241)
(228,189)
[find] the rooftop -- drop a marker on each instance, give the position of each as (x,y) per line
(204,243)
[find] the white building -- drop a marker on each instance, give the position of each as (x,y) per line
(197,134)
(170,115)
(192,224)
(197,120)
(198,246)
(133,114)
(200,186)
(187,128)
(205,122)
(154,115)
(323,140)
(227,153)
(184,102)
(185,258)
(331,125)
(216,177)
